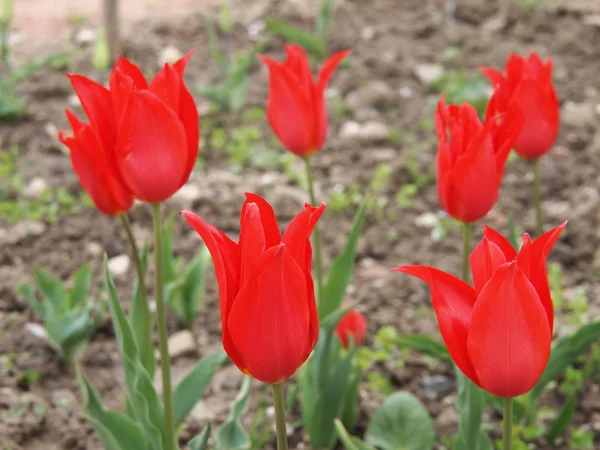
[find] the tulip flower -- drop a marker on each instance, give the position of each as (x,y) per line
(148,131)
(354,325)
(268,310)
(90,165)
(527,84)
(296,104)
(471,158)
(498,332)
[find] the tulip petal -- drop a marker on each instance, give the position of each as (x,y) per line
(297,234)
(133,72)
(252,239)
(269,321)
(89,163)
(267,218)
(328,68)
(152,148)
(166,85)
(509,340)
(224,255)
(485,259)
(495,76)
(298,64)
(452,300)
(289,110)
(96,102)
(503,244)
(505,135)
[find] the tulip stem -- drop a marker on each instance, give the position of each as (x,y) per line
(282,443)
(466,251)
(165,362)
(316,233)
(507,424)
(146,348)
(539,226)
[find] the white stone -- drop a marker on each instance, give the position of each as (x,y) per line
(374,93)
(578,114)
(73,101)
(256,28)
(426,220)
(180,343)
(367,33)
(169,54)
(592,20)
(35,188)
(188,193)
(36,330)
(350,130)
(85,36)
(118,265)
(428,73)
(406,92)
(93,248)
(374,131)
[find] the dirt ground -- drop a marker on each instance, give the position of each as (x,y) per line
(380,85)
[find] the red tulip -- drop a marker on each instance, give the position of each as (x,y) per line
(149,132)
(296,104)
(89,162)
(268,311)
(499,332)
(527,84)
(353,324)
(471,158)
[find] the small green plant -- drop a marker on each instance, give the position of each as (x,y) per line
(461,86)
(70,316)
(581,439)
(5,21)
(229,94)
(184,284)
(316,41)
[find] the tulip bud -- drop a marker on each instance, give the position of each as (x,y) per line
(353,325)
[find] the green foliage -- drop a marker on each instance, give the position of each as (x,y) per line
(50,205)
(70,316)
(200,442)
(350,442)
(101,59)
(11,104)
(184,285)
(229,94)
(426,346)
(231,434)
(401,421)
(581,439)
(5,21)
(316,41)
(462,86)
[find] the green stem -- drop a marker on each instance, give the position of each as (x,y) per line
(165,362)
(507,424)
(316,233)
(539,226)
(282,443)
(466,251)
(146,348)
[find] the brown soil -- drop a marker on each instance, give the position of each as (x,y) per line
(390,38)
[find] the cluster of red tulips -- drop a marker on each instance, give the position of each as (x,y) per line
(141,143)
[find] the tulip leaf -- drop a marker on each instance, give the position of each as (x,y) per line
(146,402)
(81,285)
(290,33)
(471,403)
(231,435)
(562,421)
(427,346)
(116,430)
(192,387)
(565,352)
(350,442)
(200,442)
(342,269)
(401,422)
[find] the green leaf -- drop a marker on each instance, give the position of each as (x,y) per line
(401,422)
(342,269)
(169,262)
(146,402)
(200,442)
(427,346)
(213,43)
(27,291)
(349,413)
(565,352)
(350,442)
(81,285)
(192,387)
(193,286)
(471,403)
(306,40)
(231,435)
(563,420)
(116,430)
(52,289)
(324,21)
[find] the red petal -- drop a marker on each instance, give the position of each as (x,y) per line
(132,71)
(166,85)
(495,76)
(181,64)
(485,259)
(297,233)
(509,252)
(223,251)
(509,340)
(152,148)
(252,240)
(354,325)
(89,163)
(269,322)
(505,136)
(452,300)
(328,68)
(96,102)
(289,110)
(121,88)
(267,218)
